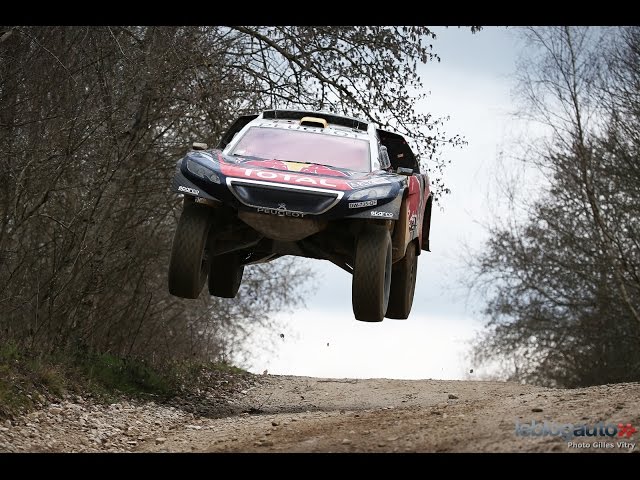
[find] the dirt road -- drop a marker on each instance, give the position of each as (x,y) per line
(300,414)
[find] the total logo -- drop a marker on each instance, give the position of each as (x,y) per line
(288,178)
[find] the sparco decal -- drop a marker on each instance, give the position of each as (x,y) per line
(288,178)
(381,214)
(280,212)
(192,191)
(368,203)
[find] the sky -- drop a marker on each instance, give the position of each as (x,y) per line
(472,84)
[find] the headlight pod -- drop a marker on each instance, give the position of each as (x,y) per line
(379,191)
(202,171)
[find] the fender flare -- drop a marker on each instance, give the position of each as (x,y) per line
(426,224)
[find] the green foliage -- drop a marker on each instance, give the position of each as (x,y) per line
(106,373)
(28,379)
(9,352)
(11,398)
(24,378)
(226,367)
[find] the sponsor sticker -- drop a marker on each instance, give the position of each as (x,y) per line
(367,183)
(375,213)
(192,191)
(413,222)
(280,211)
(367,203)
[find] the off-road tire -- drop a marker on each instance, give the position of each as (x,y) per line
(403,284)
(225,275)
(189,264)
(372,274)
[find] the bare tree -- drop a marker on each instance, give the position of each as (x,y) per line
(92,120)
(563,290)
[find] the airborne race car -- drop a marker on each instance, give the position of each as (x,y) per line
(311,184)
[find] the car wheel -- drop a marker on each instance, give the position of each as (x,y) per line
(372,275)
(225,275)
(403,284)
(189,264)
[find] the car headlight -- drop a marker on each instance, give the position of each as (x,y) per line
(202,171)
(379,191)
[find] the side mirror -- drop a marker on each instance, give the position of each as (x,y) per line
(199,146)
(385,163)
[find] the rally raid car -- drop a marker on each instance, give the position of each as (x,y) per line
(311,184)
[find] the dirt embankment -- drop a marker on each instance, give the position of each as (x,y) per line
(301,414)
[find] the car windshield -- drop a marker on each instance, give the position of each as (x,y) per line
(305,146)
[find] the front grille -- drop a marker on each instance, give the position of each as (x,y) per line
(293,199)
